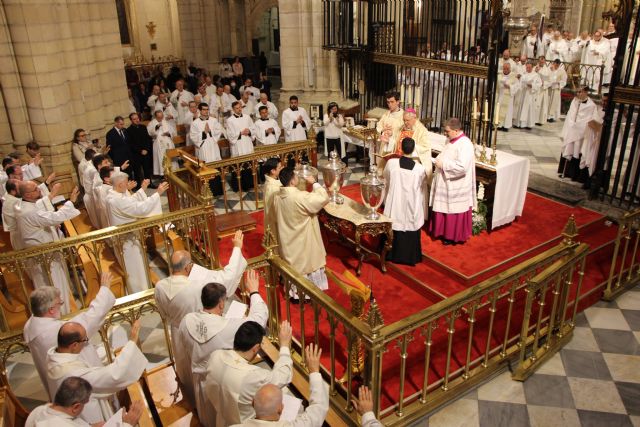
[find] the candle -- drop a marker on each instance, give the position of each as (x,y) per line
(485,111)
(475,108)
(497,114)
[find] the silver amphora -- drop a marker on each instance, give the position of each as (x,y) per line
(333,176)
(304,170)
(372,191)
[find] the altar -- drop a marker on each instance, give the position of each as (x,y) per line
(505,183)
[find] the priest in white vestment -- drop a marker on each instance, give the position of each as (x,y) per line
(88,178)
(124,209)
(180,99)
(227,100)
(299,238)
(591,142)
(65,360)
(268,400)
(405,204)
(267,129)
(581,112)
(392,119)
(240,131)
(100,193)
(9,222)
(557,81)
(264,102)
(192,115)
(169,112)
(162,133)
(453,189)
(207,330)
(597,52)
(530,44)
(68,404)
(179,294)
(506,58)
(232,381)
(558,49)
(248,104)
(216,107)
(508,86)
(153,98)
(254,92)
(272,186)
(42,328)
(530,84)
(204,134)
(37,227)
(543,97)
(295,121)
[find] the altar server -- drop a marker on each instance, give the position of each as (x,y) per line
(508,87)
(205,131)
(162,133)
(295,121)
(392,119)
(405,204)
(240,131)
(542,100)
(264,102)
(232,381)
(453,190)
(65,360)
(37,227)
(124,209)
(267,129)
(68,404)
(180,293)
(207,330)
(299,229)
(581,112)
(531,85)
(557,81)
(41,329)
(272,185)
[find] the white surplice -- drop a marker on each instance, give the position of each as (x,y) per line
(595,53)
(202,333)
(38,227)
(314,414)
(177,98)
(530,46)
(161,142)
(206,143)
(575,125)
(558,49)
(240,144)
(508,86)
(40,333)
(453,189)
(273,110)
(100,193)
(45,416)
(188,119)
(177,296)
(232,382)
(294,131)
(557,80)
(170,114)
(127,367)
(124,209)
(530,84)
(227,100)
(591,142)
(9,222)
(543,96)
(88,177)
(405,201)
(261,131)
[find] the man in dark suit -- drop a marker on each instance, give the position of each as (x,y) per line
(120,149)
(142,148)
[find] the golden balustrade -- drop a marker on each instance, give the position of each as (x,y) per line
(190,184)
(521,315)
(625,265)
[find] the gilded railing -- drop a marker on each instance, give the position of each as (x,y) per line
(625,265)
(523,314)
(83,257)
(191,185)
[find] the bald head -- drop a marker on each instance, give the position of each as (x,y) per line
(268,402)
(71,338)
(29,191)
(179,262)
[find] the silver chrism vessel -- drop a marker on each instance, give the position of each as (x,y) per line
(372,191)
(333,176)
(304,170)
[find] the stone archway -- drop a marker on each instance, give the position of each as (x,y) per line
(254,11)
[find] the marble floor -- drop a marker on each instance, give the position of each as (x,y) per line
(593,381)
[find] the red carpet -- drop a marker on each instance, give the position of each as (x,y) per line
(447,270)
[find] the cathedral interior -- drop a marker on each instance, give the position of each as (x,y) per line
(534,321)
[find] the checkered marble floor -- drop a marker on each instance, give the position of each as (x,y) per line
(593,381)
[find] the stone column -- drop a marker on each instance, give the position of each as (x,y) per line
(307,70)
(69,61)
(586,21)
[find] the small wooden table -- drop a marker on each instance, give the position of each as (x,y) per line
(349,219)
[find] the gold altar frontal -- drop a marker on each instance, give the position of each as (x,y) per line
(351,216)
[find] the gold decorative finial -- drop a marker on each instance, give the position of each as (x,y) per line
(374,317)
(570,232)
(269,242)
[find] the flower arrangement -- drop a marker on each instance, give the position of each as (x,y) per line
(479,215)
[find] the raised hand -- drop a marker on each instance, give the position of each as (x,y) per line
(312,357)
(253,281)
(105,278)
(284,336)
(238,239)
(74,194)
(164,186)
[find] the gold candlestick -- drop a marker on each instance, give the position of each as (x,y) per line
(483,153)
(494,158)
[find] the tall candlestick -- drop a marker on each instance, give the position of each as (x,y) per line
(485,112)
(475,108)
(497,114)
